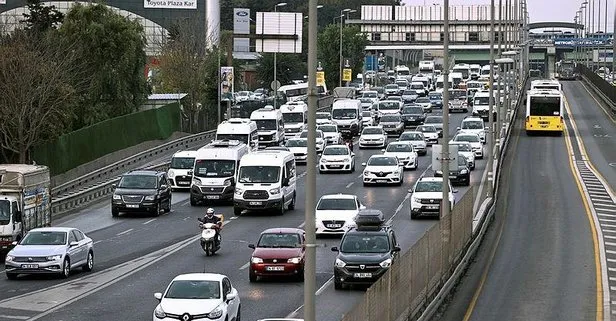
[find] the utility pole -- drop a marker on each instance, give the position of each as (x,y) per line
(489,136)
(310,278)
(445,207)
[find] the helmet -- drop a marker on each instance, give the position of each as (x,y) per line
(209,212)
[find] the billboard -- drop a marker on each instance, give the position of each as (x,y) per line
(241,26)
(167,4)
(279,24)
(226,80)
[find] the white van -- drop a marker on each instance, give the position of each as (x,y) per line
(214,171)
(182,164)
(347,115)
(240,129)
(481,104)
(464,69)
(266,180)
(456,78)
(295,117)
(440,84)
(423,79)
(270,126)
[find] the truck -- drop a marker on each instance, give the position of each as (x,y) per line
(25,201)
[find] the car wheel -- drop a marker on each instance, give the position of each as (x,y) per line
(237,211)
(193,201)
(292,205)
(338,285)
(353,167)
(66,269)
(280,210)
(89,263)
(252,277)
(11,276)
(157,210)
(115,212)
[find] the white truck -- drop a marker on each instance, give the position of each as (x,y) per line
(25,201)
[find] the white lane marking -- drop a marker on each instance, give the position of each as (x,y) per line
(599,195)
(608,231)
(610,243)
(360,175)
(319,291)
(294,313)
(606,220)
(97,242)
(609,237)
(350,184)
(16,317)
(150,221)
(245,266)
(127,231)
(185,203)
(609,203)
(604,209)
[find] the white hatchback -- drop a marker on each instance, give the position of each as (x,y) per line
(381,169)
(337,158)
(417,139)
(472,139)
(331,133)
(373,136)
(335,213)
(404,151)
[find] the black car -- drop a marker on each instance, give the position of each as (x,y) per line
(413,115)
(142,191)
(460,176)
(366,252)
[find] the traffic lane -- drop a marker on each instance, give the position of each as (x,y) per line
(596,130)
(543,266)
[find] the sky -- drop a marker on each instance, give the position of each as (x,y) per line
(542,10)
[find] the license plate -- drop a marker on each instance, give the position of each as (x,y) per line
(334,225)
(362,275)
(132,205)
(452,176)
(183,183)
(335,166)
(255,203)
(381,181)
(432,207)
(274,268)
(212,197)
(29,266)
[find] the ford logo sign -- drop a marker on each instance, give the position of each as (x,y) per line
(242,13)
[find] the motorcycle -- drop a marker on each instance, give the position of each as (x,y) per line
(208,238)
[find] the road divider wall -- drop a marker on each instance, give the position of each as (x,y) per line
(605,90)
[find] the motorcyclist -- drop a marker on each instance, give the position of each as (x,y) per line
(211,218)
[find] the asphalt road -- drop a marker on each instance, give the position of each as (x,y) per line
(537,261)
(137,256)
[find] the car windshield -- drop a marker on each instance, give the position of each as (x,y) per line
(392,86)
(366,114)
(463,147)
(390,119)
(182,162)
(412,110)
(472,124)
(328,128)
(409,92)
(427,129)
(214,168)
(304,134)
(410,136)
(279,240)
(44,238)
(337,204)
(429,187)
(435,97)
(266,124)
(434,120)
(382,161)
(399,148)
(297,143)
(372,131)
(293,117)
(138,182)
(241,137)
(389,106)
(467,138)
(348,113)
(324,116)
(417,86)
(422,100)
(365,244)
(259,174)
(369,95)
(336,150)
(193,289)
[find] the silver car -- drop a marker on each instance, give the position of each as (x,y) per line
(50,250)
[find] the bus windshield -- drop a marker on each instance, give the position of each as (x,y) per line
(544,106)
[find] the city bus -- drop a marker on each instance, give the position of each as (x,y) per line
(545,84)
(544,111)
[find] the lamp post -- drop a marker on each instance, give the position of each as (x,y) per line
(489,137)
(342,12)
(280,4)
(445,207)
(512,54)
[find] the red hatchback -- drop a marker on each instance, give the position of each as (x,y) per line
(279,252)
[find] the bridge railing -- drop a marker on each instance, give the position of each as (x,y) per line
(602,86)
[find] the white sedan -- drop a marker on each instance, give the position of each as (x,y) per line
(198,295)
(404,151)
(466,150)
(331,133)
(417,139)
(472,139)
(299,148)
(321,143)
(381,169)
(337,158)
(373,136)
(335,213)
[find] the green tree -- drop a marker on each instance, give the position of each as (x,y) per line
(114,47)
(353,46)
(288,67)
(41,18)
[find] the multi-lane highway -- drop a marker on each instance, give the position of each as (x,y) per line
(137,256)
(541,260)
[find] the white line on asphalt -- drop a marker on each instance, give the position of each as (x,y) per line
(597,195)
(319,291)
(607,225)
(606,220)
(608,231)
(97,242)
(610,243)
(245,266)
(127,231)
(609,237)
(360,175)
(294,313)
(150,221)
(350,184)
(302,225)
(604,209)
(16,317)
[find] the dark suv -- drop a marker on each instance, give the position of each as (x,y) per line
(461,175)
(141,191)
(413,115)
(366,252)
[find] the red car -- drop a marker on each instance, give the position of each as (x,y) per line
(279,252)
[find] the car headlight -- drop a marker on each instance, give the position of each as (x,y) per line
(9,258)
(323,160)
(196,181)
(397,172)
(227,182)
(159,312)
(340,263)
(294,260)
(415,200)
(150,197)
(366,173)
(274,191)
(117,197)
(380,139)
(464,171)
(239,191)
(171,173)
(216,313)
(54,257)
(256,260)
(386,263)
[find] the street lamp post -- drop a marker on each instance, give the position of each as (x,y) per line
(445,206)
(280,4)
(509,68)
(489,137)
(342,12)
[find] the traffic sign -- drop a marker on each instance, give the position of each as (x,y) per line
(275,85)
(347,74)
(437,154)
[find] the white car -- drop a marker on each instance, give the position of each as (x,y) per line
(337,158)
(299,148)
(466,150)
(320,139)
(474,140)
(366,118)
(198,295)
(335,213)
(243,96)
(425,103)
(389,107)
(332,135)
(373,136)
(426,197)
(373,95)
(430,133)
(417,139)
(407,156)
(324,118)
(473,125)
(381,169)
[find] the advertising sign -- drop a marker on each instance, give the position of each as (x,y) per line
(226,80)
(168,4)
(241,21)
(347,74)
(320,78)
